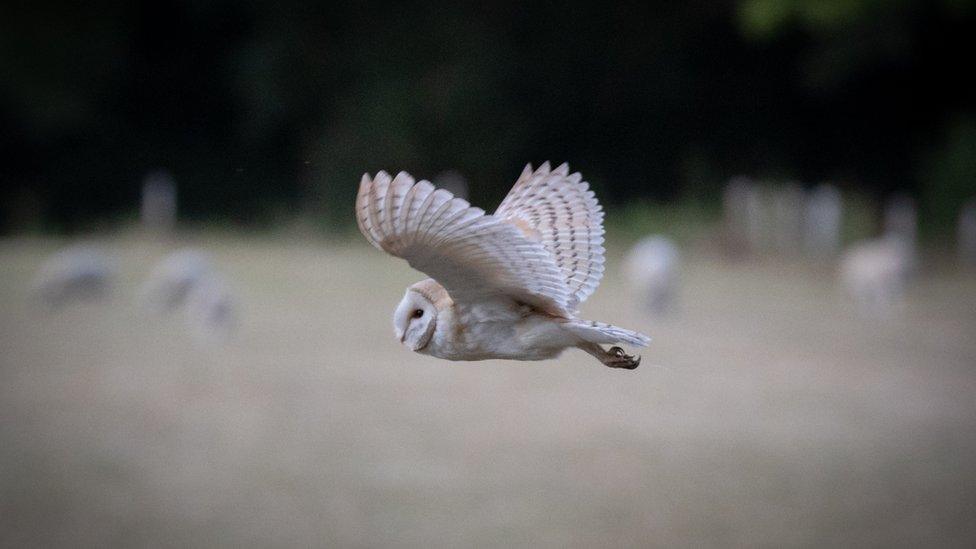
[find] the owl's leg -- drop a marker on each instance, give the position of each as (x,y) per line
(614,357)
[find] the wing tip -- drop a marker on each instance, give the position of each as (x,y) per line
(365,182)
(403,177)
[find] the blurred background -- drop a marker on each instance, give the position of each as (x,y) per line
(195,341)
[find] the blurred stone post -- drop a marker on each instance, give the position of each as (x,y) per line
(743,207)
(966,237)
(822,221)
(158,213)
(787,217)
(901,219)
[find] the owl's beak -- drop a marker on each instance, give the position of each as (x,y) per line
(402,336)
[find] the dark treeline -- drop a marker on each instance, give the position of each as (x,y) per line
(267,110)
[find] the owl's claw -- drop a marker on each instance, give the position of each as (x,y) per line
(616,358)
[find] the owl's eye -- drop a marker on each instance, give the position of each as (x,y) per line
(418,313)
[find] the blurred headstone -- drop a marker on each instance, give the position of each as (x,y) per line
(966,236)
(158,212)
(173,278)
(787,217)
(823,215)
(651,268)
(901,219)
(452,182)
(77,273)
(875,273)
(743,208)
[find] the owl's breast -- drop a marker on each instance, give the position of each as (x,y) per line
(495,331)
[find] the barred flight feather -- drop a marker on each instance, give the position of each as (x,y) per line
(472,254)
(563,214)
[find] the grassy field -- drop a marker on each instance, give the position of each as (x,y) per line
(766,412)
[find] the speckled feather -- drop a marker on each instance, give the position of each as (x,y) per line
(472,254)
(559,210)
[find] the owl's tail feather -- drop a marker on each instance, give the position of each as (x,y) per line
(601,332)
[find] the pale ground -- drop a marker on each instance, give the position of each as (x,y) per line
(765,413)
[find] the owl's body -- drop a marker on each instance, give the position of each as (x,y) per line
(504,286)
(498,328)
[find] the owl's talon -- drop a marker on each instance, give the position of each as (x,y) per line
(617,358)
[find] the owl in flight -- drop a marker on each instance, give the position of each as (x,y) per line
(505,285)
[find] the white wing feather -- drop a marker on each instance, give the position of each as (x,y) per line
(475,256)
(559,210)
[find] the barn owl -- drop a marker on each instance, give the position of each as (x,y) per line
(505,285)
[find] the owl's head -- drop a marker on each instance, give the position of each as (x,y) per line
(414,320)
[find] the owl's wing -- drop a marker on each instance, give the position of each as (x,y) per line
(475,256)
(559,210)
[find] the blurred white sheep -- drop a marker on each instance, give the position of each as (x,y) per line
(875,273)
(823,214)
(188,279)
(652,268)
(173,278)
(80,272)
(211,311)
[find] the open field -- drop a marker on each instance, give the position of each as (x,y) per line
(765,413)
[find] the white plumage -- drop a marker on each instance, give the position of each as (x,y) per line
(506,285)
(561,211)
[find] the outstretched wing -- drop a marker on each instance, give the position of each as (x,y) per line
(473,255)
(560,211)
